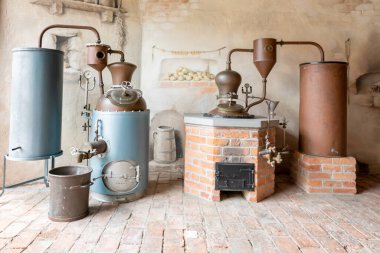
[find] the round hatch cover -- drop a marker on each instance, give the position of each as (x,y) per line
(123,97)
(121,176)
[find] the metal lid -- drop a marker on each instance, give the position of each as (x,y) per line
(123,97)
(323,62)
(37,49)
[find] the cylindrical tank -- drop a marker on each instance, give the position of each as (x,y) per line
(323,108)
(36,103)
(121,174)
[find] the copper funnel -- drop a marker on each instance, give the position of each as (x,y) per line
(97,56)
(264,55)
(228,81)
(121,71)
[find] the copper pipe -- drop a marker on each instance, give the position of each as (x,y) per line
(110,51)
(264,93)
(69,27)
(281,43)
(101,84)
(228,67)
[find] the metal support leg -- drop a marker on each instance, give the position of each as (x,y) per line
(4,169)
(44,177)
(46,171)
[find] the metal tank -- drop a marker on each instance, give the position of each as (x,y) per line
(36,103)
(323,108)
(119,152)
(121,173)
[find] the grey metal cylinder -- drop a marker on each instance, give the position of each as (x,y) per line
(36,103)
(323,109)
(69,192)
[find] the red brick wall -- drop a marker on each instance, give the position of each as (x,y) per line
(324,174)
(206,145)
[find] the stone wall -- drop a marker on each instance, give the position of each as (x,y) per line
(210,24)
(196,25)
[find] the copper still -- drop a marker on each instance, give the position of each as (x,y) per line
(323,108)
(228,81)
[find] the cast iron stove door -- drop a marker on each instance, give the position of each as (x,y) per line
(234,176)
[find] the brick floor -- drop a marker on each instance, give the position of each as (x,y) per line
(166,220)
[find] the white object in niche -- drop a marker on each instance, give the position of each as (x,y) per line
(187,69)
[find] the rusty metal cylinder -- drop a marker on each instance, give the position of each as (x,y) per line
(264,55)
(97,56)
(323,109)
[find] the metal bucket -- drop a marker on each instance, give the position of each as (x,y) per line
(164,145)
(323,108)
(36,103)
(69,192)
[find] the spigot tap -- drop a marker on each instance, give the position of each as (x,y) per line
(89,150)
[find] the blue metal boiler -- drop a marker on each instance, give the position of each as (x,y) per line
(121,173)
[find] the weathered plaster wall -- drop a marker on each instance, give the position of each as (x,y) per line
(20,26)
(205,25)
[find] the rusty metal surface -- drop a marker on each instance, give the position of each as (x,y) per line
(264,56)
(97,56)
(243,50)
(322,53)
(121,71)
(227,81)
(69,192)
(122,59)
(218,112)
(323,108)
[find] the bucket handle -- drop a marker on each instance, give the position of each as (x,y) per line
(81,186)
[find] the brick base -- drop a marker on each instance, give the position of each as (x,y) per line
(324,174)
(206,145)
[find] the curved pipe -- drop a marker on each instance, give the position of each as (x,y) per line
(110,51)
(228,67)
(281,43)
(69,27)
(264,93)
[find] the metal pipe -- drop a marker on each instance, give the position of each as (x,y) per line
(69,27)
(110,51)
(101,84)
(228,67)
(264,93)
(281,43)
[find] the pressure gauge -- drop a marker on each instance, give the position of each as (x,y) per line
(87,74)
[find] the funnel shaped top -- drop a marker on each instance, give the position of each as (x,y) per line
(272,105)
(228,81)
(264,55)
(121,71)
(97,56)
